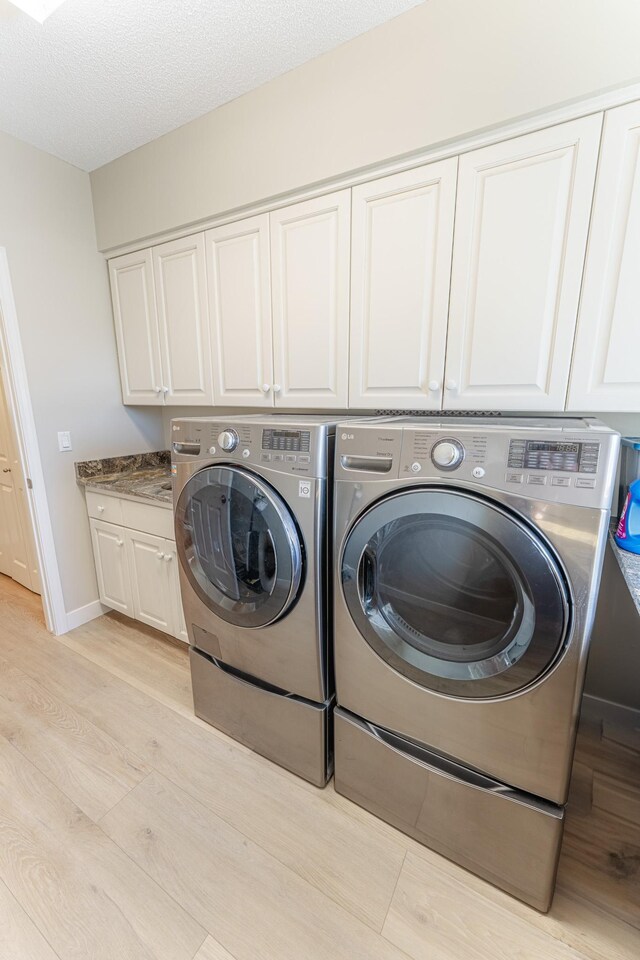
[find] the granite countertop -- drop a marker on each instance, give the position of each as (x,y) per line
(630,566)
(145,476)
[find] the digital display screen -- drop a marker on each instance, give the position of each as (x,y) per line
(546,447)
(554,455)
(292,441)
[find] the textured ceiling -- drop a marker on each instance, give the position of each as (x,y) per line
(101,77)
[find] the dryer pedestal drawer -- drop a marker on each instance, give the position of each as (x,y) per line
(289,730)
(509,838)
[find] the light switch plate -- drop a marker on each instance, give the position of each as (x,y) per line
(64,441)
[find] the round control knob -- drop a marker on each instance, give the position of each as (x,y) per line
(447,454)
(228,440)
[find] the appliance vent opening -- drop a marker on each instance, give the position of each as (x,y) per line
(438,413)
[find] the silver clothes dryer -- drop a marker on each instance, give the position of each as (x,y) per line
(467,560)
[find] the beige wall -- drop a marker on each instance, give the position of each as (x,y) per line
(61,292)
(444,69)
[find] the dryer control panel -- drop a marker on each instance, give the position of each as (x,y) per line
(570,461)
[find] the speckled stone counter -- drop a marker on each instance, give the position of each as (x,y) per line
(630,566)
(146,476)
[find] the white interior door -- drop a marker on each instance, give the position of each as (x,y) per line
(310,291)
(17,547)
(606,362)
(112,568)
(136,325)
(179,272)
(402,234)
(522,216)
(151,583)
(239,283)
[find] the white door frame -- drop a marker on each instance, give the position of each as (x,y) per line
(20,410)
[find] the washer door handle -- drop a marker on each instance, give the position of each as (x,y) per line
(368,575)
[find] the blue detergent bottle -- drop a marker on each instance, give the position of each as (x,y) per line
(627,535)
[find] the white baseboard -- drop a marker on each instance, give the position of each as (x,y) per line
(595,708)
(75,618)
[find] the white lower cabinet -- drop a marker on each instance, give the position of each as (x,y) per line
(149,561)
(112,568)
(137,571)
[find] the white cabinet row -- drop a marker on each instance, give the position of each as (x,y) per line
(137,571)
(456,285)
(253,313)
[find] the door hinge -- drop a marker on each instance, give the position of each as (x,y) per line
(29,483)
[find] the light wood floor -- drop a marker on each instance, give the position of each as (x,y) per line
(130,830)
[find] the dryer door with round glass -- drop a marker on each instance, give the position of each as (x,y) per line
(239,546)
(455,593)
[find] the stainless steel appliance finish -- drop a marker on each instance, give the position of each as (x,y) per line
(251,499)
(467,560)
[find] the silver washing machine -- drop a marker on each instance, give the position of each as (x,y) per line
(251,497)
(467,558)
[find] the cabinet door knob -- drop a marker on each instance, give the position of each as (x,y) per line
(157,389)
(168,556)
(276,388)
(160,556)
(265,388)
(119,542)
(434,384)
(452,385)
(100,509)
(165,390)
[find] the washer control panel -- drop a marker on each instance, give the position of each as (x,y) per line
(284,448)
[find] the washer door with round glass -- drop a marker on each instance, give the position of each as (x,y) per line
(239,546)
(455,593)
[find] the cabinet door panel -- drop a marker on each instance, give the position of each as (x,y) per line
(136,325)
(310,276)
(150,583)
(401,264)
(239,286)
(112,568)
(606,362)
(522,215)
(180,281)
(179,623)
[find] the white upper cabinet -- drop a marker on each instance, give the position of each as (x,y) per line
(179,272)
(522,216)
(238,274)
(136,325)
(310,288)
(402,233)
(606,363)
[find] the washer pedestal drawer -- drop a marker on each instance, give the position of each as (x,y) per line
(290,730)
(508,837)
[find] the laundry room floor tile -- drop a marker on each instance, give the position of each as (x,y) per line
(252,904)
(130,829)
